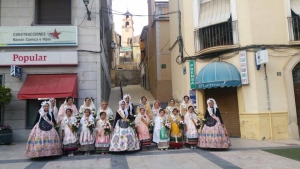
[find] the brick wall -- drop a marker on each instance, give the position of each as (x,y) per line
(131,77)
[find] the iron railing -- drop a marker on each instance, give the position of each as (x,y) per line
(294,28)
(215,35)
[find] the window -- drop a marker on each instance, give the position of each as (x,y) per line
(159,11)
(294,23)
(127,24)
(127,16)
(33,107)
(53,12)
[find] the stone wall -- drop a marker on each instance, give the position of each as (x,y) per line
(129,77)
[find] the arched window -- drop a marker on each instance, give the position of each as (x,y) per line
(127,24)
(127,16)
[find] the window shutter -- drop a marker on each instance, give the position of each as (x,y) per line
(54,11)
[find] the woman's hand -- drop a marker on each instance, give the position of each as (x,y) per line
(50,122)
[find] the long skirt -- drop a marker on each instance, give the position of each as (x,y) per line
(143,135)
(124,139)
(43,143)
(163,138)
(176,142)
(102,143)
(70,147)
(213,137)
(86,140)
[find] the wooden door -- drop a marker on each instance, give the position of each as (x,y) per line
(227,102)
(297,101)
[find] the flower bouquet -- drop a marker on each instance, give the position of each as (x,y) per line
(182,116)
(181,125)
(75,127)
(132,124)
(107,129)
(202,123)
(167,124)
(198,124)
(57,126)
(93,111)
(90,125)
(3,127)
(78,117)
(151,127)
(111,120)
(196,112)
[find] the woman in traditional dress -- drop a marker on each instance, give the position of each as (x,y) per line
(67,104)
(155,109)
(88,104)
(124,137)
(145,104)
(170,107)
(43,139)
(53,107)
(141,123)
(160,134)
(87,137)
(68,134)
(104,108)
(190,120)
(186,102)
(176,140)
(214,133)
(102,137)
(129,105)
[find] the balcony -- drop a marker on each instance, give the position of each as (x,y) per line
(223,34)
(294,28)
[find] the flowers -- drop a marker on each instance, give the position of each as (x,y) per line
(196,112)
(107,130)
(181,125)
(57,126)
(78,117)
(202,123)
(181,115)
(90,125)
(93,112)
(198,124)
(75,126)
(3,127)
(151,127)
(132,124)
(167,124)
(111,119)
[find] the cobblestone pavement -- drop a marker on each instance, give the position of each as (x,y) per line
(243,154)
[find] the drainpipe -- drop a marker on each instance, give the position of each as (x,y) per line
(268,98)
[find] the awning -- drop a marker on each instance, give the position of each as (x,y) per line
(213,12)
(218,74)
(295,5)
(48,86)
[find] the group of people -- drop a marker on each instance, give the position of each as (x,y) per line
(129,129)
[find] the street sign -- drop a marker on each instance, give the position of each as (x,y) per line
(192,74)
(16,71)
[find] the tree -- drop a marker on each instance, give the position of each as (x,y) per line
(5,95)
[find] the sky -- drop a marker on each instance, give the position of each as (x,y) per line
(138,7)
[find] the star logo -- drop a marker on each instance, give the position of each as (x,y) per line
(55,34)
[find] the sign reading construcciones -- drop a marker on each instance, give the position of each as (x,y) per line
(38,58)
(38,36)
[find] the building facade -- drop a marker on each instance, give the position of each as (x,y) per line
(60,53)
(159,62)
(223,41)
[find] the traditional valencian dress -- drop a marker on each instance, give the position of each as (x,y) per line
(129,105)
(155,111)
(92,107)
(70,138)
(123,137)
(62,111)
(141,122)
(43,139)
(184,106)
(54,109)
(190,120)
(160,134)
(213,135)
(102,139)
(147,108)
(169,110)
(176,140)
(87,138)
(108,111)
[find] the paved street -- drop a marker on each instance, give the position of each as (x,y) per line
(243,154)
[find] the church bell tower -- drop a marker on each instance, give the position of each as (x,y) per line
(127,28)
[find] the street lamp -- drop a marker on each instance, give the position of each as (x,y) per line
(88,12)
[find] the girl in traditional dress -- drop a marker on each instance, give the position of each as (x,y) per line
(87,137)
(176,140)
(88,104)
(145,104)
(155,109)
(191,122)
(68,134)
(67,104)
(102,137)
(160,134)
(104,108)
(129,105)
(170,107)
(214,133)
(53,107)
(186,102)
(43,139)
(141,123)
(124,137)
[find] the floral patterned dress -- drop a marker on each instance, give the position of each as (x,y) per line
(190,120)
(141,122)
(70,138)
(87,138)
(102,139)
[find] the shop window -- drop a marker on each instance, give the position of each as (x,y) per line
(53,12)
(33,107)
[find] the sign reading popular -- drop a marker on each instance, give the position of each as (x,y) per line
(15,36)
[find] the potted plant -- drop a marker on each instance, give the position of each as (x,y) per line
(5,131)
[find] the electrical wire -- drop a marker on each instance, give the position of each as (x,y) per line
(122,13)
(86,14)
